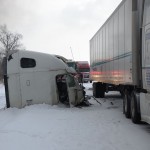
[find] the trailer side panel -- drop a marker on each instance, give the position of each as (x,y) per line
(112,48)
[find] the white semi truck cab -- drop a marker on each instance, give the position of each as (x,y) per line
(36,78)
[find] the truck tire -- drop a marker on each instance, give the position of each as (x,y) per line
(94,89)
(126,104)
(135,115)
(98,90)
(121,93)
(102,91)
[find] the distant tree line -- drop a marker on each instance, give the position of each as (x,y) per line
(8,41)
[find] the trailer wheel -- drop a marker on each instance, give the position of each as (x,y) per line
(95,90)
(102,93)
(98,90)
(102,89)
(126,104)
(135,115)
(121,93)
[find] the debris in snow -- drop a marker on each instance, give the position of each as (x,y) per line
(111,103)
(89,97)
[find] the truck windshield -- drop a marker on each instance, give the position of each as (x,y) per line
(84,69)
(71,64)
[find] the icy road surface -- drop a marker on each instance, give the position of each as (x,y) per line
(44,127)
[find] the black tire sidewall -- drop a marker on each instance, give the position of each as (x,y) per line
(135,116)
(126,103)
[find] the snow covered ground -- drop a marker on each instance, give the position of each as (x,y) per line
(2,96)
(98,127)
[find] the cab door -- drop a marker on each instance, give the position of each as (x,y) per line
(72,92)
(75,91)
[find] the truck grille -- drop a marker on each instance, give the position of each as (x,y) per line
(86,76)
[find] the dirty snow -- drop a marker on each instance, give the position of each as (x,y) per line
(44,127)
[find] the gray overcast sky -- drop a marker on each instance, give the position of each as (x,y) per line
(53,26)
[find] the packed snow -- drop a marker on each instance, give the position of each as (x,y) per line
(98,127)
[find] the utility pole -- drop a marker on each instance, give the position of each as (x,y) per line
(71,53)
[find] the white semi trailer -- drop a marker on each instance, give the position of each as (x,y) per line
(120,58)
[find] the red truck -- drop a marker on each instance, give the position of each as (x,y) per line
(84,69)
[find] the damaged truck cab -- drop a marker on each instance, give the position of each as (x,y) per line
(36,78)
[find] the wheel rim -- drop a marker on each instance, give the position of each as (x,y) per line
(132,107)
(125,103)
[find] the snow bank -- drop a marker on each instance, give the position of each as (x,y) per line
(45,127)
